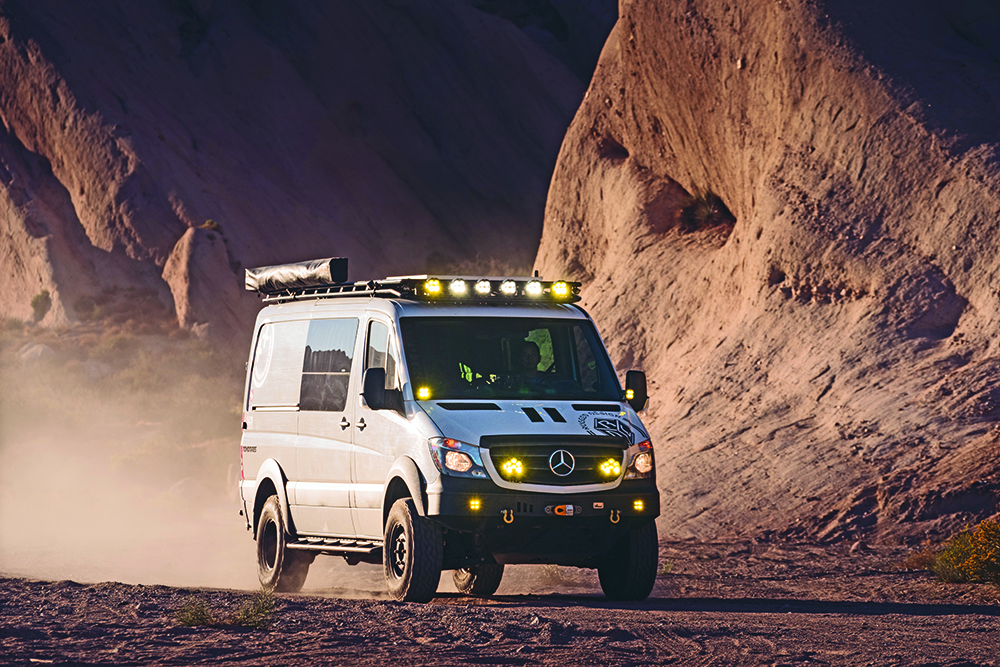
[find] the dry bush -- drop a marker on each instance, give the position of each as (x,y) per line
(704,210)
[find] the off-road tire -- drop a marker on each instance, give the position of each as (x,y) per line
(279,568)
(629,571)
(412,553)
(483,579)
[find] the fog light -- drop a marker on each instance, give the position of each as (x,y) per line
(457,461)
(533,288)
(638,506)
(611,468)
(508,288)
(432,287)
(474,504)
(512,468)
(560,290)
(423,393)
(643,462)
(457,287)
(483,287)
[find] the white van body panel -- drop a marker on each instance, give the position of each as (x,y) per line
(338,464)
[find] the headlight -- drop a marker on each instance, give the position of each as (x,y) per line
(457,458)
(642,465)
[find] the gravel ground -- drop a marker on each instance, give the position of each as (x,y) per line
(739,603)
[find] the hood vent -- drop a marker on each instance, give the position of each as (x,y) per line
(469,406)
(556,416)
(532,414)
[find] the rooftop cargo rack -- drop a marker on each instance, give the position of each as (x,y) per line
(327,278)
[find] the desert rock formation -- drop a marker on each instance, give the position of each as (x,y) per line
(825,361)
(165,145)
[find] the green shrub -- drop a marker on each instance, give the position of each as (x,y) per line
(970,556)
(256,614)
(973,555)
(40,304)
(195,613)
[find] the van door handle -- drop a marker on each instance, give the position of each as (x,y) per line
(344,423)
(361,424)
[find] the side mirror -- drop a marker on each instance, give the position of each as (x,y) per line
(374,388)
(635,390)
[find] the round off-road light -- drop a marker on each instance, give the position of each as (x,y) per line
(611,468)
(457,287)
(643,462)
(508,288)
(483,287)
(533,288)
(512,467)
(560,290)
(432,287)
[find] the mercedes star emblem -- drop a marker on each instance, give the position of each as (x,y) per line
(562,462)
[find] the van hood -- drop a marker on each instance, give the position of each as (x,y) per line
(469,421)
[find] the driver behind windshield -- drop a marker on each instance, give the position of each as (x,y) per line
(528,360)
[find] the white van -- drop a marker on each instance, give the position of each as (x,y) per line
(435,423)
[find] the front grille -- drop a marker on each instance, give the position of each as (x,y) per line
(588,455)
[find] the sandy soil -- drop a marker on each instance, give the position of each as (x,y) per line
(733,603)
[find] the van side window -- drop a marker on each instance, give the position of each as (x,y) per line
(277,365)
(326,368)
(380,354)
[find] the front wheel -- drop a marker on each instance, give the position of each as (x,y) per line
(629,571)
(483,579)
(412,553)
(278,567)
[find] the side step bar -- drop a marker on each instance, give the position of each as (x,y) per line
(333,545)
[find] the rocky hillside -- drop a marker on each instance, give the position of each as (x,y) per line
(787,213)
(162,146)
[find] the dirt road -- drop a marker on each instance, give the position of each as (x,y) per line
(714,604)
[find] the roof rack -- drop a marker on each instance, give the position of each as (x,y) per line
(327,278)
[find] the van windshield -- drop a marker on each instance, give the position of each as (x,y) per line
(506,357)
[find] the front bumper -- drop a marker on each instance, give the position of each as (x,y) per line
(535,527)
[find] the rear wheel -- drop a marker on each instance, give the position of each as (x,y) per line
(278,567)
(629,572)
(412,553)
(483,579)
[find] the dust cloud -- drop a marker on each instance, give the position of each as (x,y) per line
(119,461)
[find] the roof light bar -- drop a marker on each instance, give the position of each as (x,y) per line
(327,278)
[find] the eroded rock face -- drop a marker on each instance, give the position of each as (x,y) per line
(399,134)
(844,327)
